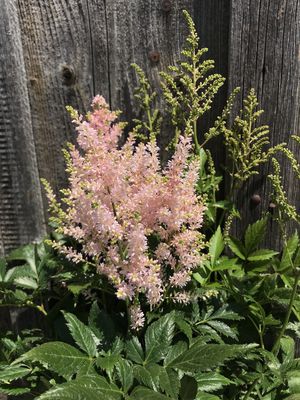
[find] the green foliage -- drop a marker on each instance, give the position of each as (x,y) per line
(149,128)
(155,368)
(189,89)
(245,142)
(230,342)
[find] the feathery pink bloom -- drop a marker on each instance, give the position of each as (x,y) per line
(121,201)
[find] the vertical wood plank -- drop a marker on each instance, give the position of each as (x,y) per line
(212,20)
(134,29)
(264,54)
(21,212)
(59,69)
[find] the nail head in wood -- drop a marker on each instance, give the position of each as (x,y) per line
(272,206)
(255,199)
(167,5)
(68,75)
(154,56)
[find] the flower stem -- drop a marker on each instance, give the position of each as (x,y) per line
(276,345)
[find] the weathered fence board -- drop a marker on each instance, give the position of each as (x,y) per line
(212,19)
(21,211)
(264,54)
(59,58)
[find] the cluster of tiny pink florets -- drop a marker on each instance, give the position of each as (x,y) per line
(119,197)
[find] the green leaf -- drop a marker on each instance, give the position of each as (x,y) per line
(188,388)
(211,381)
(206,396)
(225,263)
(260,255)
(254,235)
(222,328)
(83,388)
(2,269)
(158,338)
(237,248)
(174,352)
(10,372)
(169,382)
(25,253)
(143,393)
(201,357)
(216,246)
(287,345)
(125,374)
(108,362)
(11,391)
(294,381)
(60,357)
(26,282)
(135,351)
(148,375)
(103,325)
(83,335)
(293,397)
(184,327)
(288,252)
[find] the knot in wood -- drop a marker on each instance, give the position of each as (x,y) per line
(68,75)
(167,5)
(154,56)
(255,199)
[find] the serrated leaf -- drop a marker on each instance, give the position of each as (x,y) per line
(225,263)
(158,338)
(148,375)
(84,388)
(254,235)
(143,393)
(288,252)
(26,282)
(237,248)
(103,325)
(287,345)
(216,246)
(108,362)
(10,372)
(135,351)
(184,327)
(201,357)
(169,382)
(60,357)
(82,335)
(222,328)
(125,374)
(211,381)
(261,255)
(11,391)
(26,253)
(174,352)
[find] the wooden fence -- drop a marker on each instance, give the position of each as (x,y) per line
(62,52)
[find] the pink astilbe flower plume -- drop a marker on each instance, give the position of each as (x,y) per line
(120,197)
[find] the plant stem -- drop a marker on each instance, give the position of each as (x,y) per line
(276,345)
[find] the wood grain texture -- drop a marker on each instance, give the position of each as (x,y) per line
(59,59)
(264,54)
(212,20)
(134,29)
(21,212)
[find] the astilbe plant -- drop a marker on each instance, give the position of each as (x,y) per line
(137,222)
